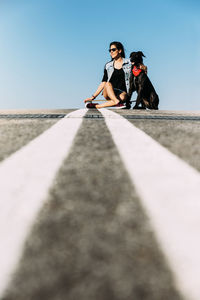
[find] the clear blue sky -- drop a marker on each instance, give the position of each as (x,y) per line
(53,52)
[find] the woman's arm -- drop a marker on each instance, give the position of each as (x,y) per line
(98,91)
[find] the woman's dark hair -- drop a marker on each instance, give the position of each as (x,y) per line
(119,46)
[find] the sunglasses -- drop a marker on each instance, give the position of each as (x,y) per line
(112,50)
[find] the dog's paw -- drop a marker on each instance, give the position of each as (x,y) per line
(139,107)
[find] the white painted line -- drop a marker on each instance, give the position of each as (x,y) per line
(170,193)
(25,178)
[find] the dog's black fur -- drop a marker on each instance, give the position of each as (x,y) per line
(147,95)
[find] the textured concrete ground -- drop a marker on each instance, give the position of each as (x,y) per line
(92,239)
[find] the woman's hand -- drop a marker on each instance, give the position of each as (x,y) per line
(89,99)
(144,68)
(98,91)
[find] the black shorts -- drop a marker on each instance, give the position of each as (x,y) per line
(118,92)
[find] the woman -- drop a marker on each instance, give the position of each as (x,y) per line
(115,82)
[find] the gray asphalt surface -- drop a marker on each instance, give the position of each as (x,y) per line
(181,137)
(35,111)
(17,132)
(92,239)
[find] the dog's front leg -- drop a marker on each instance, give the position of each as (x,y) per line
(131,86)
(139,98)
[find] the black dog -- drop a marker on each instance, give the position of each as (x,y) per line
(139,82)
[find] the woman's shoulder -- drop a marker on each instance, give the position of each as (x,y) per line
(109,64)
(127,61)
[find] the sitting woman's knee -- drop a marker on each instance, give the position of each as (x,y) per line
(108,85)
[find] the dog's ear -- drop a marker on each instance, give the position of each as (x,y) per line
(141,53)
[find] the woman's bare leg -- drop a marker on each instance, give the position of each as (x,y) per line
(108,93)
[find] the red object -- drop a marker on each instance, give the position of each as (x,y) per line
(91,105)
(136,71)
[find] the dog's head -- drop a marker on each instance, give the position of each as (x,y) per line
(137,57)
